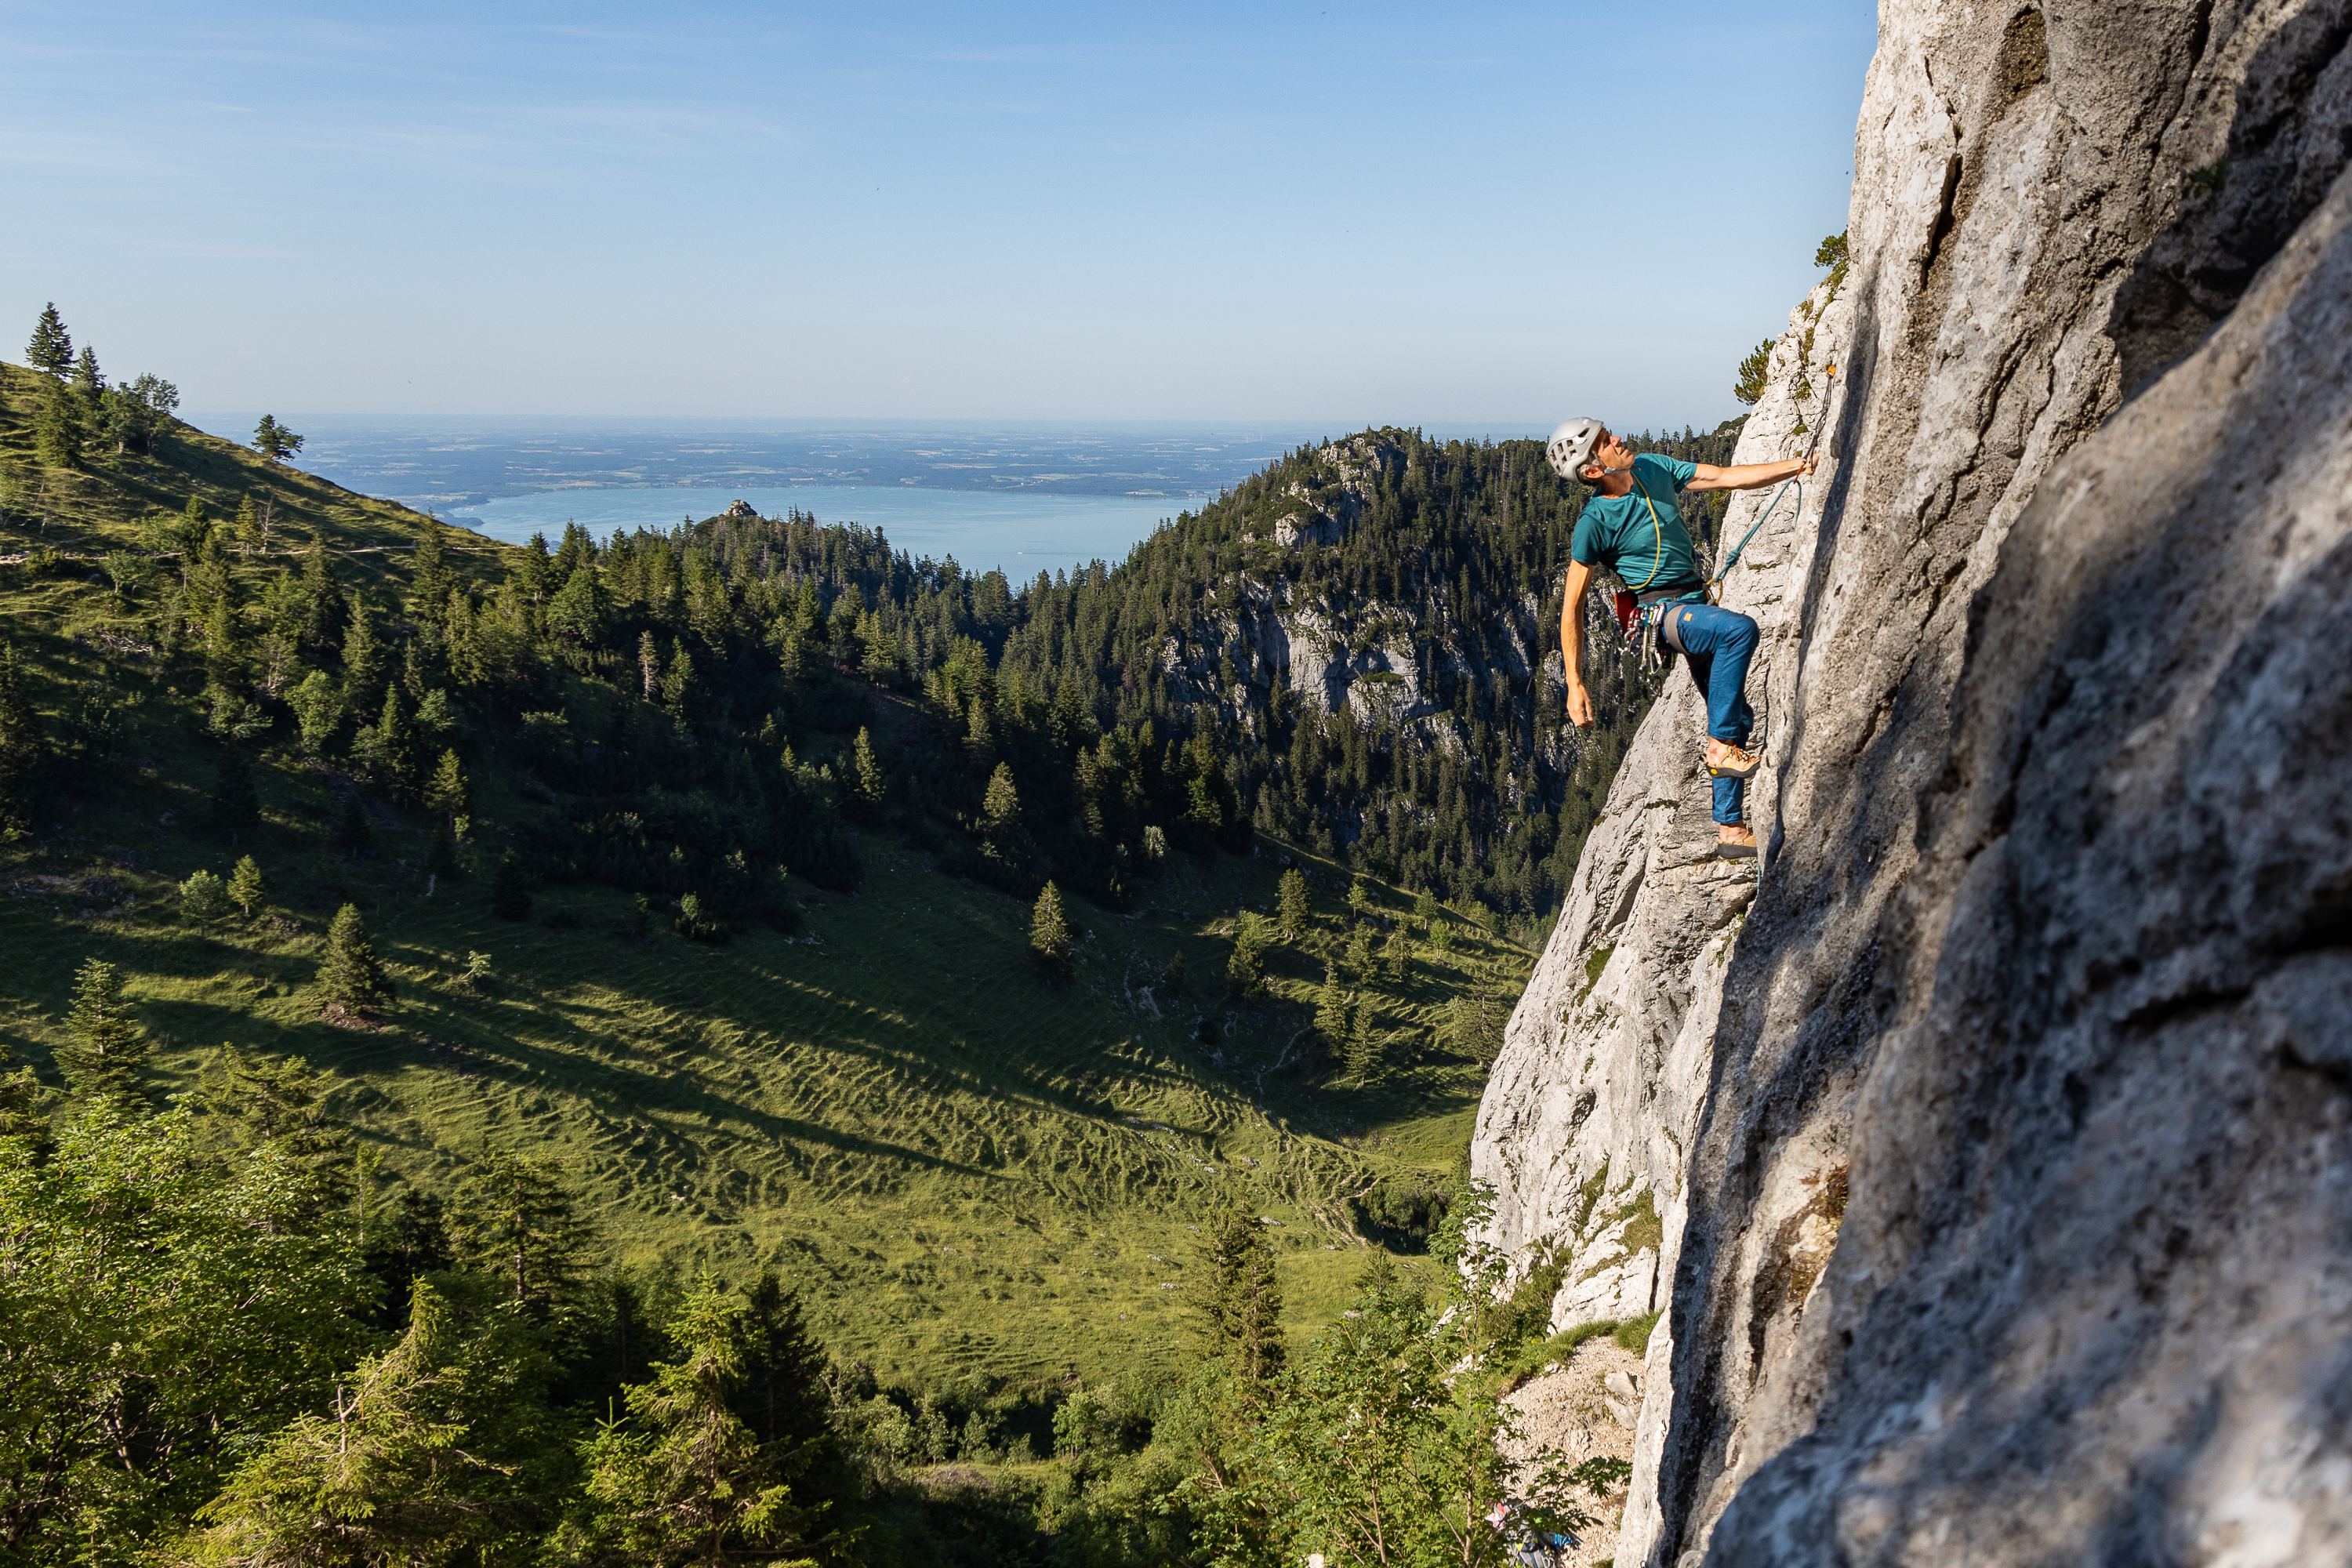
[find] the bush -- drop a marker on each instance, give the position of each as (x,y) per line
(1526,1313)
(1401,1211)
(204,897)
(697,924)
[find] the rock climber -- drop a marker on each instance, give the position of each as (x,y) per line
(1632,527)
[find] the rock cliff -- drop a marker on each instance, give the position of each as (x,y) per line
(1997,1133)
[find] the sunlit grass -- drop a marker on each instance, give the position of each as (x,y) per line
(960,1161)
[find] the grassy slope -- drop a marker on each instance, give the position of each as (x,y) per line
(962,1163)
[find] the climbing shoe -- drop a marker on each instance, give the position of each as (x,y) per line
(1726,760)
(1736,848)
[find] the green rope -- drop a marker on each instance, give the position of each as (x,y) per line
(1733,559)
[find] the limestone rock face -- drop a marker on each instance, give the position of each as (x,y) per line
(2092,1300)
(1997,1138)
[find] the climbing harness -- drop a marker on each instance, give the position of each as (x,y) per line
(1715,583)
(1638,606)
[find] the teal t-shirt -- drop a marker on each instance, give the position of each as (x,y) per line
(1639,535)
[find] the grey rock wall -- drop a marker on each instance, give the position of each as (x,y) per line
(2092,1297)
(1969,1136)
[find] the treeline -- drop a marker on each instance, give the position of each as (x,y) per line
(1049,731)
(227,1342)
(704,711)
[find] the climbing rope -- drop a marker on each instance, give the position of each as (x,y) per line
(1715,583)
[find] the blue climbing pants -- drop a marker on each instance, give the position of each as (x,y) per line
(1718,643)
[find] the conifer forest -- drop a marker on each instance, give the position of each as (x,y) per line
(733,1044)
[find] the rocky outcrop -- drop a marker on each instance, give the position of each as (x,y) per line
(2093,1296)
(1593,1107)
(1375,659)
(1999,1141)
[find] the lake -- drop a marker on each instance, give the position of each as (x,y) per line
(1020,535)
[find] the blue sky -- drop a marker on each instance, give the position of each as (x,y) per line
(1320,212)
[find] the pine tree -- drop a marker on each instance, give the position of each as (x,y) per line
(351,977)
(105,1053)
(1331,1011)
(280,1104)
(683,1479)
(87,379)
(429,573)
(1246,969)
(225,654)
(782,1398)
(23,750)
(676,682)
(362,661)
(317,707)
(236,805)
(60,430)
(867,786)
(533,568)
(388,1478)
(245,884)
(1004,838)
(51,350)
(1398,951)
(322,598)
(246,530)
(446,792)
(980,740)
(195,531)
(1364,1040)
(517,1221)
(1294,905)
(1049,932)
(1000,807)
(1234,1298)
(274,441)
(395,752)
(649,669)
(879,663)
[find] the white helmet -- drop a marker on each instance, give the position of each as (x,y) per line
(1570,447)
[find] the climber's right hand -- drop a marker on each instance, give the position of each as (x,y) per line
(1580,706)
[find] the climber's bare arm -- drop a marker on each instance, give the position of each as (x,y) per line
(1747,476)
(1572,643)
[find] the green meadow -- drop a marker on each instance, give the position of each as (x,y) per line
(964,1164)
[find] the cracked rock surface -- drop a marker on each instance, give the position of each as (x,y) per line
(1996,1140)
